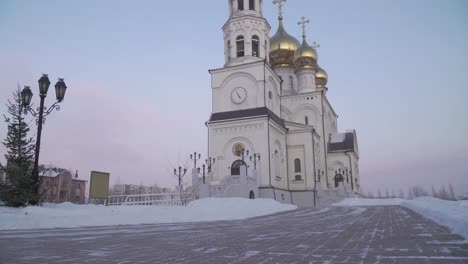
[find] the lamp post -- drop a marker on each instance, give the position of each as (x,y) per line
(254,159)
(204,167)
(194,157)
(209,163)
(42,112)
(180,175)
(244,153)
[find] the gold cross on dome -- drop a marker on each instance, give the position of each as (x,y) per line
(304,21)
(280,7)
(315,45)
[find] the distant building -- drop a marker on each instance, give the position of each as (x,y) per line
(57,185)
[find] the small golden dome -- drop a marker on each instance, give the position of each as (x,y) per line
(305,56)
(321,77)
(282,47)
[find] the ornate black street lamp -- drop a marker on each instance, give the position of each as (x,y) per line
(254,159)
(180,175)
(209,163)
(42,112)
(194,157)
(244,153)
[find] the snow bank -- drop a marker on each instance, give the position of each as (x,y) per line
(452,214)
(68,215)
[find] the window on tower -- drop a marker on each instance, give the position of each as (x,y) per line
(240,46)
(240,4)
(291,83)
(251,4)
(306,120)
(255,46)
(297,165)
(228,49)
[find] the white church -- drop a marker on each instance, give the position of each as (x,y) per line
(272,132)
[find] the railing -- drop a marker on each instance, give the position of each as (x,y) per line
(162,199)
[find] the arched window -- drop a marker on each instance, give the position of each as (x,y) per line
(228,49)
(297,165)
(235,167)
(240,4)
(270,95)
(306,120)
(255,46)
(291,83)
(240,46)
(251,4)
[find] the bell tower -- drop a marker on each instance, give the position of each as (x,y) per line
(246,100)
(246,33)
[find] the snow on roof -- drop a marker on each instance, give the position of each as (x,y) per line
(338,137)
(48,173)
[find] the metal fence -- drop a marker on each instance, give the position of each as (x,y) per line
(162,199)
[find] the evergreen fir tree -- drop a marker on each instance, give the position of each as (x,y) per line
(19,188)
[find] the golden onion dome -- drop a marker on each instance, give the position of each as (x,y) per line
(305,56)
(321,77)
(282,47)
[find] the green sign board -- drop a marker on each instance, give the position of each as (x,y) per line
(99,185)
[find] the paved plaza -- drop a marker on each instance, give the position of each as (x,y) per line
(379,234)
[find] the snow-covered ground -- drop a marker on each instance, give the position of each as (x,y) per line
(68,215)
(452,214)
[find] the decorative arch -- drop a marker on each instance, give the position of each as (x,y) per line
(272,82)
(247,143)
(240,74)
(337,165)
(286,114)
(299,113)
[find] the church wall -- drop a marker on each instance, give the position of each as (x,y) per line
(303,199)
(300,147)
(251,133)
(289,79)
(280,195)
(278,156)
(295,108)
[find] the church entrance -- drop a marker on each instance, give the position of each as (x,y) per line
(235,167)
(251,195)
(338,178)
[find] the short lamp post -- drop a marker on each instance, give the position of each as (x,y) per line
(209,163)
(195,157)
(42,112)
(254,159)
(180,175)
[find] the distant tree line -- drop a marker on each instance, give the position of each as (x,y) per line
(444,193)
